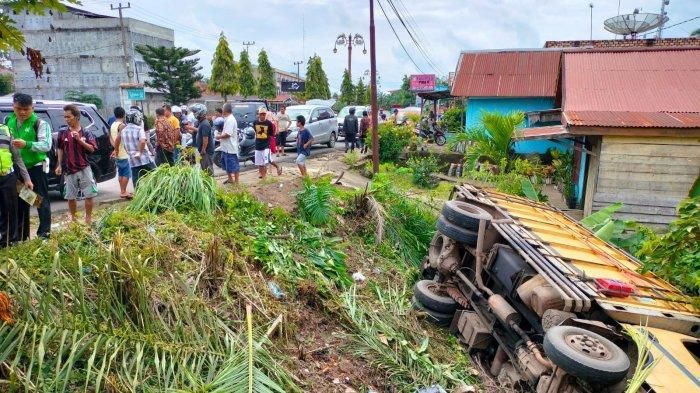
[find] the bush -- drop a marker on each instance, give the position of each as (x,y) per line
(314,201)
(423,168)
(7,84)
(453,120)
(351,158)
(393,139)
(675,256)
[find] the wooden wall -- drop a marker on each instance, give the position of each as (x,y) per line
(650,175)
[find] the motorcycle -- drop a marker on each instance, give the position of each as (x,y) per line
(432,132)
(246,144)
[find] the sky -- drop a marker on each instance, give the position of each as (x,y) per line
(293,30)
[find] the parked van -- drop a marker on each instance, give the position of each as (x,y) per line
(320,121)
(544,303)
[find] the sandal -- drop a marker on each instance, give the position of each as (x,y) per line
(127,196)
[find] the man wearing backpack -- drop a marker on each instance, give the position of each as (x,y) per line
(32,136)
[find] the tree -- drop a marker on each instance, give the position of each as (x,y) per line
(493,139)
(171,72)
(347,90)
(695,33)
(316,80)
(267,88)
(10,36)
(246,80)
(7,84)
(361,93)
(224,78)
(79,96)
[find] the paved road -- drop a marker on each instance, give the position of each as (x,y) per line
(108,191)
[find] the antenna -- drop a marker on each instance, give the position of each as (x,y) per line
(664,3)
(634,23)
(591,5)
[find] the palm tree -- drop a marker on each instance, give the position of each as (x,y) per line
(695,33)
(493,139)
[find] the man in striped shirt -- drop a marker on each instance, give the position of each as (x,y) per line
(134,139)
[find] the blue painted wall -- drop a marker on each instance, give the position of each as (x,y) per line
(477,105)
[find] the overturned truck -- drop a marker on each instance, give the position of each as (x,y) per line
(543,302)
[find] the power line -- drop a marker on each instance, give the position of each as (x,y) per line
(679,23)
(411,35)
(397,36)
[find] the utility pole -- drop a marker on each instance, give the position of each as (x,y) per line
(247,44)
(297,63)
(351,40)
(373,90)
(129,74)
(591,5)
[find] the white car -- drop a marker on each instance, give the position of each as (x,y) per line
(346,111)
(320,121)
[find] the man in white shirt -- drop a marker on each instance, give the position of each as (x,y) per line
(228,144)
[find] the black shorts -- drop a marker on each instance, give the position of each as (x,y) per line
(282,138)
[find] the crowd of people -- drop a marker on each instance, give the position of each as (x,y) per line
(26,141)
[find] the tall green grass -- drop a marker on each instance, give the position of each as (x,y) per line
(180,188)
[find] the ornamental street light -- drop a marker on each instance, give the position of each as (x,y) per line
(350,41)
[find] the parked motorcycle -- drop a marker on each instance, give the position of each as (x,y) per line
(246,143)
(431,132)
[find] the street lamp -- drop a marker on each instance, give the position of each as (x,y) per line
(350,41)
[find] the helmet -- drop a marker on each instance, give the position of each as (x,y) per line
(219,123)
(198,110)
(134,116)
(175,109)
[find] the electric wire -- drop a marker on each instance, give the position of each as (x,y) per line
(412,36)
(397,36)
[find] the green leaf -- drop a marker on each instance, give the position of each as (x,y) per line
(529,190)
(607,231)
(595,220)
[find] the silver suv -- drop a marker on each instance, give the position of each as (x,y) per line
(320,121)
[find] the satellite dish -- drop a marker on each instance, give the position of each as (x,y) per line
(633,24)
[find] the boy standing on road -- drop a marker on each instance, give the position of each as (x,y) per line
(122,159)
(283,123)
(304,142)
(32,136)
(10,159)
(228,144)
(74,144)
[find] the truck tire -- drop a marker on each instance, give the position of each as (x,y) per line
(438,318)
(456,233)
(430,294)
(464,215)
(586,355)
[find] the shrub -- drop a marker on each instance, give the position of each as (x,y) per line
(675,256)
(351,158)
(453,120)
(314,201)
(423,168)
(393,139)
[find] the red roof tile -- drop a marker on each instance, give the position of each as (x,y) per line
(634,81)
(507,74)
(633,119)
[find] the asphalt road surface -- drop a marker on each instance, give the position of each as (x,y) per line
(109,190)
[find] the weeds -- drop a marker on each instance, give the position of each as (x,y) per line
(423,169)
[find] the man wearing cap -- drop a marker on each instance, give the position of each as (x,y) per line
(263,133)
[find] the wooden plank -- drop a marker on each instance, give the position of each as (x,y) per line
(646,218)
(688,151)
(626,158)
(637,209)
(592,175)
(642,186)
(651,168)
(653,140)
(682,179)
(662,200)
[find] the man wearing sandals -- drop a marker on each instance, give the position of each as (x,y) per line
(263,132)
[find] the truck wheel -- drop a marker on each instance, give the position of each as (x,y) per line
(456,233)
(430,294)
(438,318)
(464,215)
(435,249)
(586,355)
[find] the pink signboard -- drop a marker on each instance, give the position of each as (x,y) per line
(422,82)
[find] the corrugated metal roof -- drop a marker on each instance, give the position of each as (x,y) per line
(545,132)
(632,119)
(507,74)
(632,81)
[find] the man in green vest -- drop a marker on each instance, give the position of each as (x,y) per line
(32,136)
(9,160)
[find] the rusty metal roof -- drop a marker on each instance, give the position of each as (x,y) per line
(633,119)
(544,132)
(507,74)
(632,81)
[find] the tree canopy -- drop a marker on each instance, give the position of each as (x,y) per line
(267,88)
(347,90)
(172,72)
(224,78)
(403,97)
(316,80)
(361,93)
(10,36)
(246,80)
(79,96)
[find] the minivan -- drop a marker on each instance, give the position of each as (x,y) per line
(320,121)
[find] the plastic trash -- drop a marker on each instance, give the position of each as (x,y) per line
(358,277)
(432,389)
(275,290)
